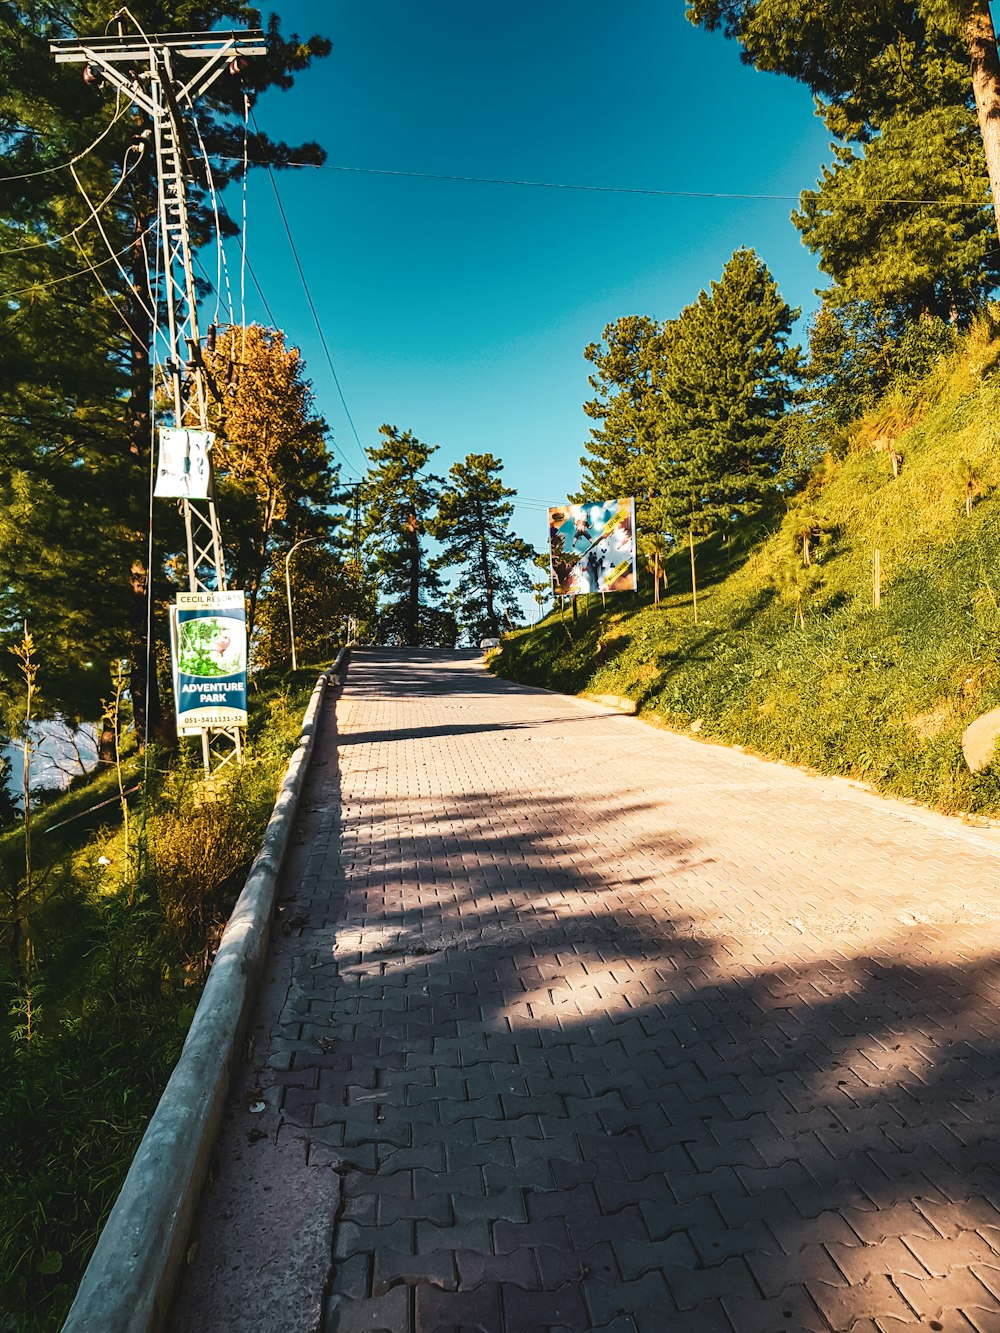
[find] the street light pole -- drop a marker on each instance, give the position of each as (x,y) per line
(304,541)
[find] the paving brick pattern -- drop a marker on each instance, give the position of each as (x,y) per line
(602,1028)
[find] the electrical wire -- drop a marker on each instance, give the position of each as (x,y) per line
(104,237)
(260,293)
(588,189)
(316,320)
(68,277)
(108,294)
(128,13)
(71,235)
(64,166)
(250,269)
(221,265)
(149,547)
(150,284)
(243,231)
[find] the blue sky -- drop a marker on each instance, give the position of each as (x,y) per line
(461,310)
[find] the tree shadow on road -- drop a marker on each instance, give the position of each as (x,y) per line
(559,1097)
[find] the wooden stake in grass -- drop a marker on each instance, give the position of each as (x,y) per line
(694,577)
(877,579)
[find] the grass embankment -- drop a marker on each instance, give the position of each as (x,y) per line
(99,983)
(795,662)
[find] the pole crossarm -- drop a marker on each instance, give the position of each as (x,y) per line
(215,49)
(248,42)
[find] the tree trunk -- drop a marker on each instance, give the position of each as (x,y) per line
(107,745)
(14,942)
(144,685)
(984,62)
(140,335)
(694,577)
(413,627)
(484,557)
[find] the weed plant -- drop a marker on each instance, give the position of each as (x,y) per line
(113,942)
(791,659)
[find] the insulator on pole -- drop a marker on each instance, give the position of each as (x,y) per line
(210,340)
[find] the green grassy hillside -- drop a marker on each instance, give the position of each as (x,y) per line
(795,662)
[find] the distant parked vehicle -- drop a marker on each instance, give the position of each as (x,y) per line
(486,644)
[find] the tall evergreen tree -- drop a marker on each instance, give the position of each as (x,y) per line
(629,366)
(903,216)
(730,379)
(858,351)
(399,498)
(892,224)
(473,525)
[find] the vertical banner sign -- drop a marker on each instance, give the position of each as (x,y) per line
(592,547)
(209,645)
(184,469)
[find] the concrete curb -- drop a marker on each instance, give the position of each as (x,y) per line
(129,1282)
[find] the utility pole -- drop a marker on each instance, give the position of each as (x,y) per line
(141,68)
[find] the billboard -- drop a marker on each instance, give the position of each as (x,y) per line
(184,470)
(592,547)
(208,639)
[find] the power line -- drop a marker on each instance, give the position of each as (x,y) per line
(221,264)
(80,273)
(574,186)
(100,226)
(71,235)
(315,315)
(64,166)
(250,269)
(260,293)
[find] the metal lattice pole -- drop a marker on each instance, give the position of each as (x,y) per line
(161,100)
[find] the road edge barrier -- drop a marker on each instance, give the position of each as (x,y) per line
(129,1283)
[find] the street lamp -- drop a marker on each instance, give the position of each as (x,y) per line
(304,541)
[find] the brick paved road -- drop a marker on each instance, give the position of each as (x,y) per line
(574,1024)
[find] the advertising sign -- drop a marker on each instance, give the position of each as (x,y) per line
(209,646)
(184,470)
(592,547)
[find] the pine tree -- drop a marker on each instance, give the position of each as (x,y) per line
(730,379)
(398,499)
(903,216)
(933,255)
(473,525)
(629,366)
(858,351)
